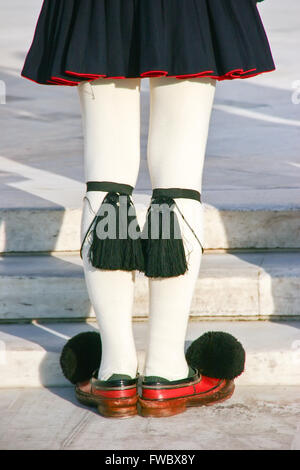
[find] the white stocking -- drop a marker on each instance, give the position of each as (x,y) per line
(180,112)
(111,128)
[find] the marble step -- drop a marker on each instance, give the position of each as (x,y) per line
(240,285)
(29,354)
(50,229)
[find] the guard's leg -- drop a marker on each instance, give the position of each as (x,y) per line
(179,122)
(111,128)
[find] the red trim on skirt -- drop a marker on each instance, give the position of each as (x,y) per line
(231,75)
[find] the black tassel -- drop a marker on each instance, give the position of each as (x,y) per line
(162,243)
(117,250)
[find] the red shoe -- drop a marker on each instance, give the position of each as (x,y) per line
(114,398)
(161,397)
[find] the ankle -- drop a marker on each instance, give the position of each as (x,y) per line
(128,372)
(168,373)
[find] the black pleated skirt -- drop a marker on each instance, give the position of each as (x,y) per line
(78,40)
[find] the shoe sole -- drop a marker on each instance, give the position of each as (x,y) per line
(174,406)
(109,408)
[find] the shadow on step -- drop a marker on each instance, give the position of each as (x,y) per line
(252,167)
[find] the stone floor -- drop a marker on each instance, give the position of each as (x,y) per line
(260,418)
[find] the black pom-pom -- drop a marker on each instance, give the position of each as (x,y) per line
(81,356)
(217,354)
